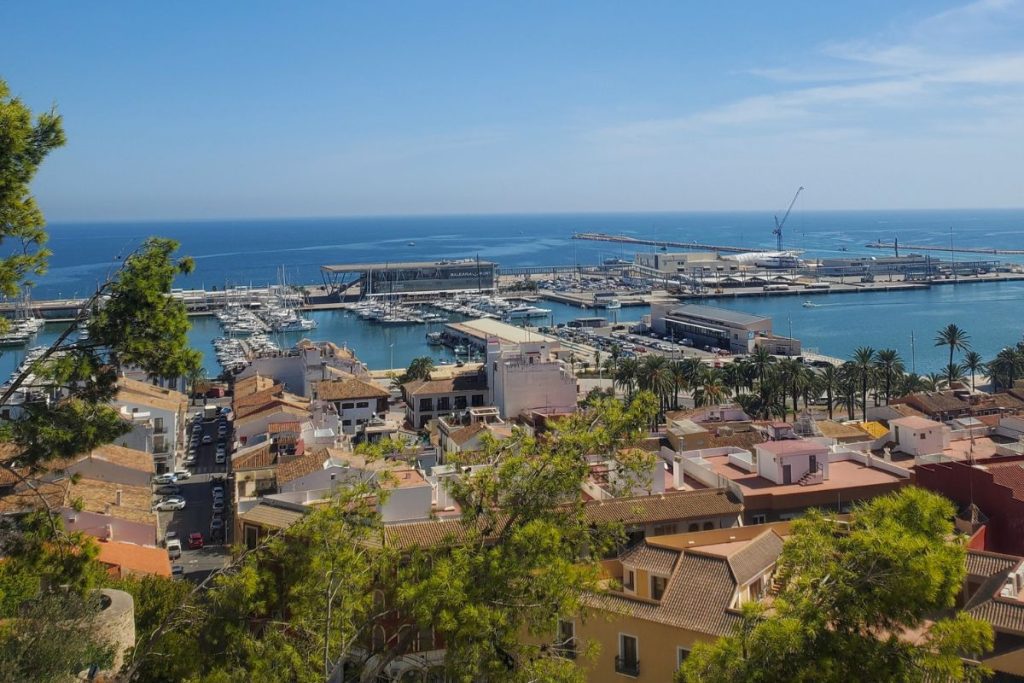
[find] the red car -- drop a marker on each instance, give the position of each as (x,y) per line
(195,541)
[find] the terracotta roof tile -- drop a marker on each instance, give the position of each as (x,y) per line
(982,563)
(301,466)
(665,507)
(131,559)
(650,558)
(271,516)
(469,382)
(253,458)
(342,389)
(755,557)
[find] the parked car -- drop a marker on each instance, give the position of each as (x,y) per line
(220,458)
(207,439)
(216,525)
(169,490)
(166,478)
(217,490)
(195,540)
(170,503)
(174,548)
(177,571)
(170,536)
(182,474)
(218,505)
(197,428)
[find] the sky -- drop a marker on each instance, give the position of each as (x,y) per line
(271,109)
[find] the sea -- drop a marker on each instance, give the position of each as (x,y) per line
(261,252)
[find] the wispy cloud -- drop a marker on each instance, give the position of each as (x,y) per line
(938,65)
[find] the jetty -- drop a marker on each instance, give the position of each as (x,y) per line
(879,244)
(626,239)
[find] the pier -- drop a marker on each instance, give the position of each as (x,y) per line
(625,239)
(926,247)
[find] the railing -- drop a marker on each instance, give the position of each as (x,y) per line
(630,667)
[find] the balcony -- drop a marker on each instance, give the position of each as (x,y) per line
(630,667)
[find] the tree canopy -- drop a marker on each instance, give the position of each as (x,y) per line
(853,597)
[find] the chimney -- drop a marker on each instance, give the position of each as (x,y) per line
(110,532)
(117,497)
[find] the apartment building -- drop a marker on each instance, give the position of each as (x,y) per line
(157,418)
(529,376)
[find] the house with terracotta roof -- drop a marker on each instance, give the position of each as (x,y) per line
(127,559)
(665,595)
(994,592)
(301,367)
(109,463)
(918,436)
(465,433)
(427,399)
(356,401)
(116,500)
(668,513)
(255,423)
(157,418)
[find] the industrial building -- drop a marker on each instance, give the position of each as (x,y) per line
(410,279)
(718,328)
(682,263)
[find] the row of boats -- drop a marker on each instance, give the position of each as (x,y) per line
(392,313)
(244,321)
(21,331)
(233,353)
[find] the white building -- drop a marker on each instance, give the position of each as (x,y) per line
(157,418)
(301,367)
(792,461)
(529,376)
(919,436)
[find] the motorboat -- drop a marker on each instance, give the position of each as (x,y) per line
(524,312)
(434,338)
(811,304)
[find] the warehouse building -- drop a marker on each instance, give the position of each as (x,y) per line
(719,328)
(413,278)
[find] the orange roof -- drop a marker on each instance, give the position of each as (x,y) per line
(130,559)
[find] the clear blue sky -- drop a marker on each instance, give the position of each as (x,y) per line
(265,109)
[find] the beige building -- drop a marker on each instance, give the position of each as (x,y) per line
(427,399)
(672,592)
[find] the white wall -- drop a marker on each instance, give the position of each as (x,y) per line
(527,376)
(407,504)
(251,427)
(923,441)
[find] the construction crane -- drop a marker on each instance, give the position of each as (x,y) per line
(778,224)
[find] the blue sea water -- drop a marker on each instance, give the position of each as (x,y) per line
(254,252)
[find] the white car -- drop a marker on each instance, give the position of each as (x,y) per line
(218,491)
(182,474)
(218,505)
(170,503)
(220,458)
(166,478)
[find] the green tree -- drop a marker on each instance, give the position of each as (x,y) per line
(891,366)
(847,594)
(419,368)
(955,338)
(973,363)
(25,141)
(864,362)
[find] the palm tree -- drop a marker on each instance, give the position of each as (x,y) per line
(864,361)
(626,375)
(710,390)
(761,360)
(955,338)
(973,362)
(846,391)
(954,373)
(829,377)
(933,381)
(195,377)
(655,375)
(684,376)
(419,368)
(1005,368)
(890,364)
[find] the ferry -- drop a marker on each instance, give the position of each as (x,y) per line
(524,312)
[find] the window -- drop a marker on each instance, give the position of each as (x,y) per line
(252,536)
(708,526)
(478,400)
(694,527)
(379,638)
(346,423)
(628,580)
(658,584)
(565,643)
(460,403)
(347,406)
(628,661)
(426,404)
(363,404)
(681,654)
(922,436)
(444,403)
(759,519)
(425,638)
(664,529)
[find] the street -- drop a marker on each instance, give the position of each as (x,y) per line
(199,515)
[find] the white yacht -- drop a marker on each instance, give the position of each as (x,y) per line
(524,312)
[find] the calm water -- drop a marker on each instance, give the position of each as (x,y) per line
(244,252)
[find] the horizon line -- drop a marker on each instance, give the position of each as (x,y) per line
(497,214)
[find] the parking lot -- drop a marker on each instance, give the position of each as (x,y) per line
(206,495)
